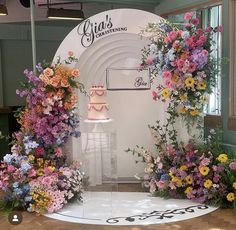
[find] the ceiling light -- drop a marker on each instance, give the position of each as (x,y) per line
(55,13)
(3,10)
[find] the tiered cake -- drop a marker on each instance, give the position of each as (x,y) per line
(98,106)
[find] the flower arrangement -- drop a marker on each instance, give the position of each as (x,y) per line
(202,172)
(35,175)
(182,59)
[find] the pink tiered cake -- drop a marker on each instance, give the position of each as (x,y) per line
(98,106)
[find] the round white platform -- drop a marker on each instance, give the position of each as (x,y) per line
(129,208)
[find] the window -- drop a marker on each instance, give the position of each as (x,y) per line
(232,65)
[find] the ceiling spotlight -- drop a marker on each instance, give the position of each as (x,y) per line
(55,13)
(3,10)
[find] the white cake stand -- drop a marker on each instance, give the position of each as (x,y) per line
(97,124)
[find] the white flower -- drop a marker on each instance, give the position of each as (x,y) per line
(185,34)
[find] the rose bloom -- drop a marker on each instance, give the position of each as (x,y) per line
(54,81)
(70,53)
(167,74)
(48,72)
(232,165)
(195,21)
(188,16)
(154,95)
(75,72)
(64,83)
(149,61)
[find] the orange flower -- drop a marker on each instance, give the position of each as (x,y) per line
(64,83)
(48,72)
(75,73)
(54,81)
(45,79)
(68,105)
(175,78)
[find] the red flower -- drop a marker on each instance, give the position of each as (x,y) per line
(39,151)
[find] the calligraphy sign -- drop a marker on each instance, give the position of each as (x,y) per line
(128,79)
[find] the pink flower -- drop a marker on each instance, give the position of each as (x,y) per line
(70,53)
(160,184)
(173,35)
(189,41)
(219,29)
(58,152)
(232,165)
(200,31)
(192,67)
(167,40)
(205,161)
(47,180)
(154,95)
(167,74)
(149,61)
(188,16)
(32,173)
(202,38)
(169,84)
(180,63)
(187,25)
(208,29)
(216,178)
(10,168)
(205,52)
(176,44)
(195,21)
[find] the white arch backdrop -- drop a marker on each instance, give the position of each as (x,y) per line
(111,39)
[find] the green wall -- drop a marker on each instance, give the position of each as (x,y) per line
(229,137)
(16,56)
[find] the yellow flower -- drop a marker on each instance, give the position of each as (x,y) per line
(189,179)
(183,168)
(194,112)
(188,190)
(40,161)
(165,93)
(177,180)
(234,185)
(208,183)
(189,82)
(40,172)
(31,157)
(222,158)
(201,85)
(204,170)
(51,168)
(182,110)
(230,197)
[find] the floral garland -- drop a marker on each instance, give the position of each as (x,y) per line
(183,60)
(35,176)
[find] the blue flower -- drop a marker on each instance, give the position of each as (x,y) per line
(25,166)
(15,185)
(8,158)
